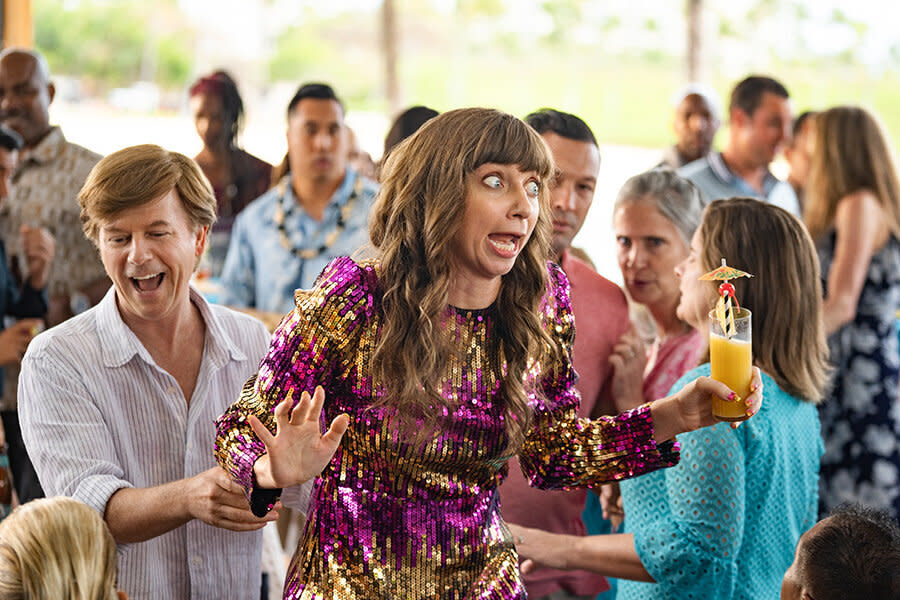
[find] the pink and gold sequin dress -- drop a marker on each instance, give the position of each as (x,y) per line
(386,520)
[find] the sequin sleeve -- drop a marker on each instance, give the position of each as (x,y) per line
(302,354)
(562,451)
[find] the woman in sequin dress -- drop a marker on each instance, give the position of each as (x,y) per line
(853,212)
(724,522)
(448,353)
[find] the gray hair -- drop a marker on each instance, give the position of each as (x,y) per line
(676,198)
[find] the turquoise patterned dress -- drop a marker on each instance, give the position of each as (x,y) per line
(724,522)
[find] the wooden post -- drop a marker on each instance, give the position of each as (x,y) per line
(694,40)
(18,30)
(389,50)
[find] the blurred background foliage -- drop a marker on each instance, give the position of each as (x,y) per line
(614,63)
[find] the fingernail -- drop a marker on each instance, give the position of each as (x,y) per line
(734,397)
(749,412)
(753,387)
(748,402)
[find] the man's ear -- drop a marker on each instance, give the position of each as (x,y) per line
(200,241)
(737,117)
(51,91)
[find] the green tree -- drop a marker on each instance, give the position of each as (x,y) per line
(109,44)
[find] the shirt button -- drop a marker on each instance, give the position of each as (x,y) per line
(170,390)
(196,561)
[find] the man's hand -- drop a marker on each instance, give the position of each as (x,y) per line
(541,548)
(15,339)
(298,451)
(215,499)
(38,246)
(611,503)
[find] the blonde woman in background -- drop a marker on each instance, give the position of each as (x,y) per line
(56,548)
(853,214)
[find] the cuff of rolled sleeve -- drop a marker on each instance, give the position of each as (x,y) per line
(96,490)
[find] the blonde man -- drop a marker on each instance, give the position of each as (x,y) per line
(118,403)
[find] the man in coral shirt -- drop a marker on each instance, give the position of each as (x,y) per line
(601,317)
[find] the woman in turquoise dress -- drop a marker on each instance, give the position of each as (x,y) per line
(853,213)
(725,521)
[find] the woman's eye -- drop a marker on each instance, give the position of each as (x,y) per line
(532,188)
(493,181)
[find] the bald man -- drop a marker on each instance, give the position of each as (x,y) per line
(44,193)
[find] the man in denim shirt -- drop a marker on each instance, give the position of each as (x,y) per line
(316,212)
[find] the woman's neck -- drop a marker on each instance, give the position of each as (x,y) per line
(469,293)
(217,154)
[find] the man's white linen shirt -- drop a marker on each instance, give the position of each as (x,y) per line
(99,415)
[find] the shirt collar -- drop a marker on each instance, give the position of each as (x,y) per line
(47,150)
(721,170)
(339,198)
(119,344)
(672,157)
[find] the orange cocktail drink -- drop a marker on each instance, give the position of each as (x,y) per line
(731,362)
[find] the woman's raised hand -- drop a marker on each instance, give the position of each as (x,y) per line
(691,407)
(298,451)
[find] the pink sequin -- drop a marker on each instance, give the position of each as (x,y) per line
(386,520)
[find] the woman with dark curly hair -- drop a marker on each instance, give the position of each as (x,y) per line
(237,177)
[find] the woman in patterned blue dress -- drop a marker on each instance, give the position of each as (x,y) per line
(853,213)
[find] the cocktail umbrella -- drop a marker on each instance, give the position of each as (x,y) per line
(724,273)
(724,308)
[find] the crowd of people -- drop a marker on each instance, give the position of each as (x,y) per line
(412,367)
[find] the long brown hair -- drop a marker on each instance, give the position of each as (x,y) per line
(785,293)
(417,213)
(851,154)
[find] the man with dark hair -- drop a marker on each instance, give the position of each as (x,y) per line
(316,212)
(760,122)
(601,312)
(853,554)
(45,184)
